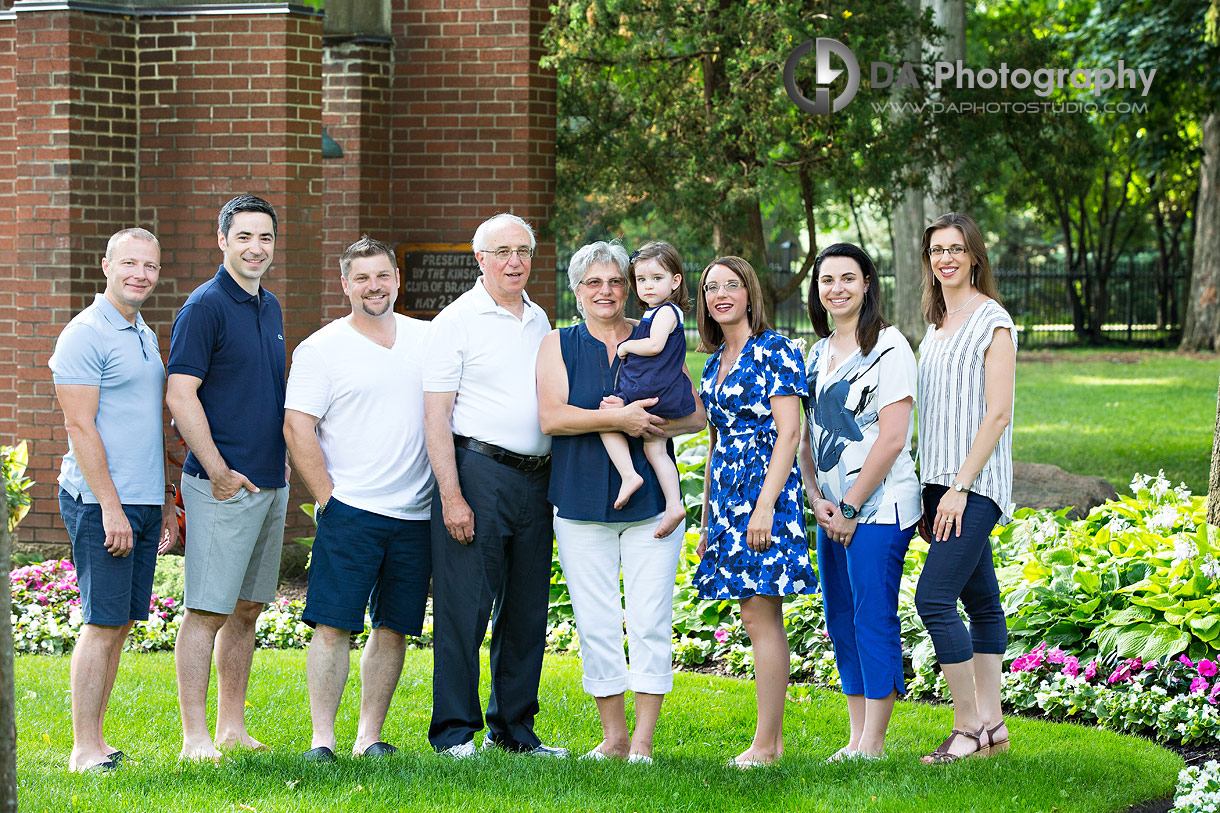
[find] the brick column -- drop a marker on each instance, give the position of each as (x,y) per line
(10,271)
(76,185)
(357,115)
(474,124)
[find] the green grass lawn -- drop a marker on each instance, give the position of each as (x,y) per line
(1111,413)
(706,720)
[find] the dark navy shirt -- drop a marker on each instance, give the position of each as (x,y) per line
(583,481)
(234,342)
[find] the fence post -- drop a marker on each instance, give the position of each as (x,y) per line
(1130,298)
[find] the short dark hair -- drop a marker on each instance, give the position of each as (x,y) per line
(245,203)
(364,247)
(870,321)
(711,335)
(668,258)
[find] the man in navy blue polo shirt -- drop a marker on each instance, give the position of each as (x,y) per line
(112,494)
(226,393)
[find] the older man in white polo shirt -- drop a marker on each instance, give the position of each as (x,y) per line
(491,523)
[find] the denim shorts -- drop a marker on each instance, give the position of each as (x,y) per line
(361,559)
(113,589)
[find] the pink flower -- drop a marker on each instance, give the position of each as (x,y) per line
(1148,667)
(1198,685)
(1185,661)
(1038,648)
(1214,693)
(1071,666)
(1056,655)
(1122,673)
(1206,668)
(722,635)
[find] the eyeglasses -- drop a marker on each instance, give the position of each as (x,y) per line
(617,283)
(729,287)
(936,251)
(503,253)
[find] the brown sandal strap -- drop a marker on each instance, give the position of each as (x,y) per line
(941,754)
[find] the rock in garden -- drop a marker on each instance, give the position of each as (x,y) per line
(1041,485)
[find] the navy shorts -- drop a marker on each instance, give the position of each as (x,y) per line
(113,589)
(361,559)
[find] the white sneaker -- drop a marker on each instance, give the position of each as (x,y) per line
(595,755)
(465,750)
(642,759)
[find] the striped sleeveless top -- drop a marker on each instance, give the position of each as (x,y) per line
(952,405)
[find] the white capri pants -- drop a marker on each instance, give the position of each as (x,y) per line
(591,554)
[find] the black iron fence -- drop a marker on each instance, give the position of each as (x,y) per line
(1141,305)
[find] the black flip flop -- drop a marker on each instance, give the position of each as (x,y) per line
(102,767)
(319,754)
(117,757)
(379,749)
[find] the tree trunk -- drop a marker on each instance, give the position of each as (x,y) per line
(943,194)
(909,223)
(8,690)
(1213,483)
(1201,330)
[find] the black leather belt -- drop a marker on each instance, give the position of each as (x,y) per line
(519,462)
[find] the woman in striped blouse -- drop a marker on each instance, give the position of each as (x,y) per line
(967,374)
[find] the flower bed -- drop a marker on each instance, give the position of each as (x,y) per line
(1198,789)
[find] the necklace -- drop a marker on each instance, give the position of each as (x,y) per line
(963,307)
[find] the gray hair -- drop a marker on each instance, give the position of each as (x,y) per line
(611,253)
(137,233)
(479,243)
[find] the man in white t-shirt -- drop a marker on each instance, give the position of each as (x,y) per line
(354,425)
(491,523)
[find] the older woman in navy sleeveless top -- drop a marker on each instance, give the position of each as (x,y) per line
(576,372)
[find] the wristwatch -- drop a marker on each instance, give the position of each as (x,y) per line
(849,511)
(958,487)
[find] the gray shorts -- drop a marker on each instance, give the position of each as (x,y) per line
(232,547)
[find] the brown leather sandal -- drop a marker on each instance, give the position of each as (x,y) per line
(941,755)
(995,746)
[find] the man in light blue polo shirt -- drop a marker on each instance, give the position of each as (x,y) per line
(113,499)
(227,368)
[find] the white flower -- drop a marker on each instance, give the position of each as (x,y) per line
(1163,520)
(1138,482)
(1159,487)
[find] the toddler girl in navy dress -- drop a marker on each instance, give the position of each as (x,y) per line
(651,367)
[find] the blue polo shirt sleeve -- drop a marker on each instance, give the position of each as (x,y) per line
(78,357)
(192,339)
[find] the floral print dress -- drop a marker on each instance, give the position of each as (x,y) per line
(769,365)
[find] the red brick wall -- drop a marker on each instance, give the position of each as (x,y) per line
(356,113)
(474,124)
(108,121)
(10,271)
(76,134)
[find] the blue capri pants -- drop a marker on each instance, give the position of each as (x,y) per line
(860,593)
(962,567)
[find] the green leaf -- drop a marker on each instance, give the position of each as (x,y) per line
(1160,601)
(1132,640)
(1060,556)
(1207,627)
(1129,615)
(1162,642)
(1085,611)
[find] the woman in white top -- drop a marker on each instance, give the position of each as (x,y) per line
(860,478)
(967,373)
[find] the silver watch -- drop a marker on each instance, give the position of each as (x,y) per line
(958,487)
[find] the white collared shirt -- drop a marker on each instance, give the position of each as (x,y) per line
(488,356)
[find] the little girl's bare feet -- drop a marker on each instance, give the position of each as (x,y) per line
(630,486)
(670,520)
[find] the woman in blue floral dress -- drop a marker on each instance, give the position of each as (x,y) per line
(753,546)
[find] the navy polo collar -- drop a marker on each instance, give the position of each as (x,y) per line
(230,286)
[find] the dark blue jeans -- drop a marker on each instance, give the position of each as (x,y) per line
(962,568)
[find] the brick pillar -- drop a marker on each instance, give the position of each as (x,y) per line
(76,185)
(231,104)
(357,115)
(10,271)
(474,124)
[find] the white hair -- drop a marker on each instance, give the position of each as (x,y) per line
(611,253)
(479,242)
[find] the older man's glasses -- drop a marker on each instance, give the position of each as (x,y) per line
(504,252)
(617,283)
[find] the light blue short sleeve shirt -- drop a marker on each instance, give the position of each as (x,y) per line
(100,348)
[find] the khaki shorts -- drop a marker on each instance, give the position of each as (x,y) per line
(232,546)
